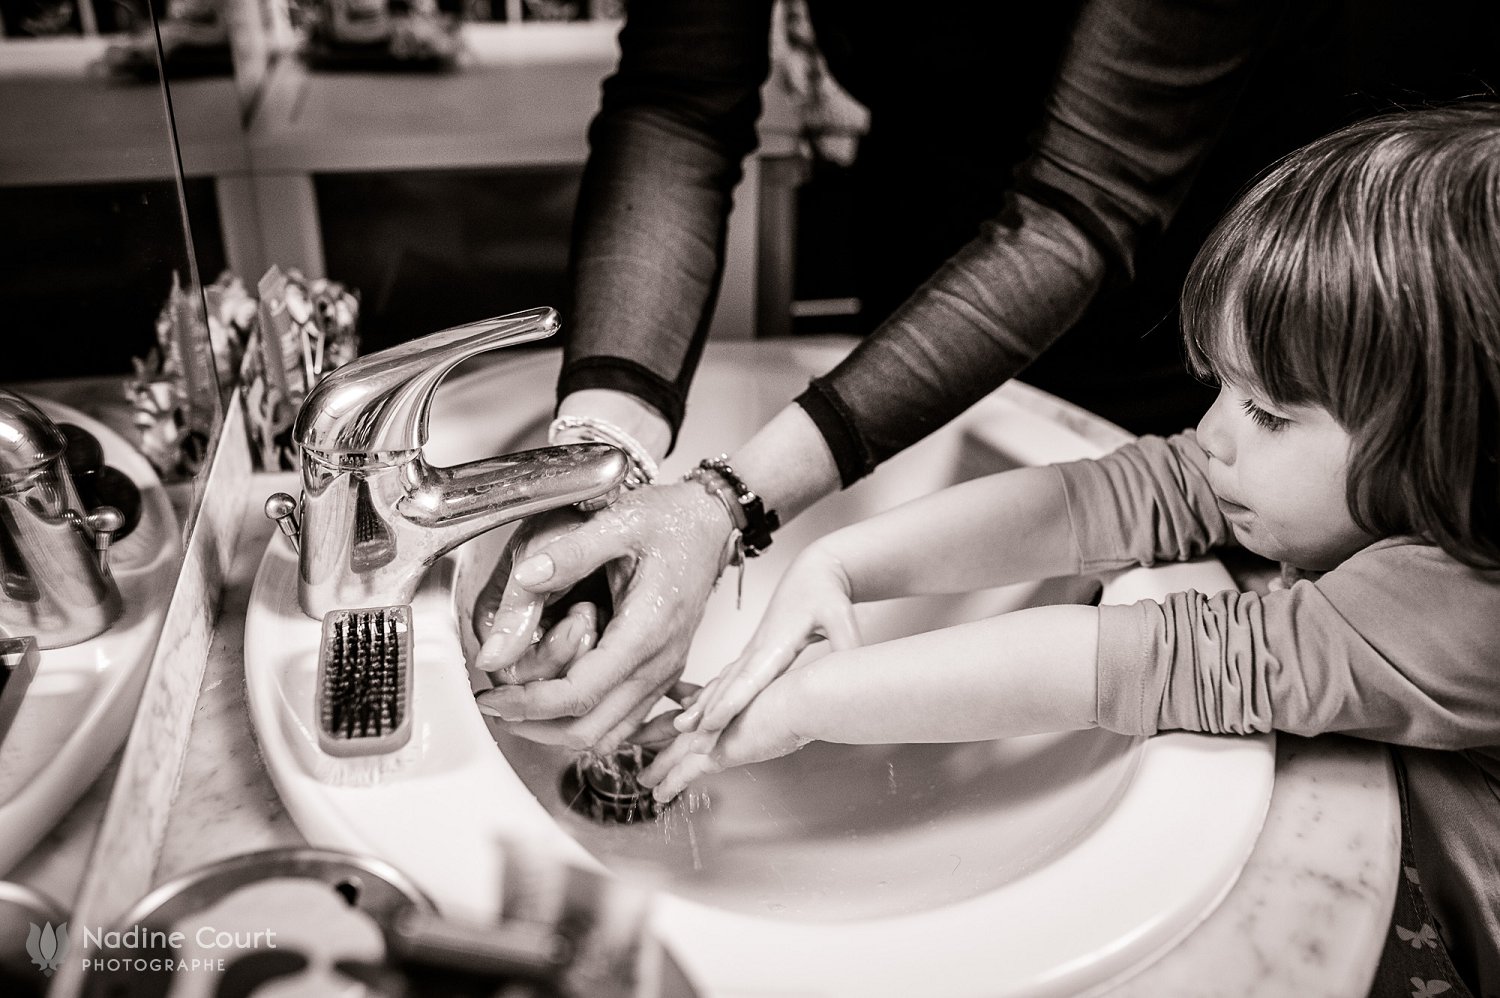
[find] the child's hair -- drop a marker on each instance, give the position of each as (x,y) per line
(1362,275)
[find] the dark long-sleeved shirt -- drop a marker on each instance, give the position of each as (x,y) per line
(1030,155)
(1400,643)
(1123,97)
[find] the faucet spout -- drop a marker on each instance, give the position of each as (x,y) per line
(375,514)
(463,499)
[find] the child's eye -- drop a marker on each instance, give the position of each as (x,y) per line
(1262,418)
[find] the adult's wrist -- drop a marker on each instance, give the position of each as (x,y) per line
(716,512)
(642,421)
(787,463)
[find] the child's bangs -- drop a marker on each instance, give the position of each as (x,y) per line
(1256,308)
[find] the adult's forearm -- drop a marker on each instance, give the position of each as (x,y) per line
(666,150)
(1143,92)
(986,314)
(787,463)
(1021,673)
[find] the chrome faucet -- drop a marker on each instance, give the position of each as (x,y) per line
(375,514)
(55,583)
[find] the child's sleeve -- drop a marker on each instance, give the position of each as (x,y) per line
(1398,644)
(1147,502)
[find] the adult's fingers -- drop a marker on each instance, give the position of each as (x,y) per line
(684,693)
(565,642)
(564,561)
(615,661)
(656,732)
(631,722)
(506,614)
(602,728)
(661,729)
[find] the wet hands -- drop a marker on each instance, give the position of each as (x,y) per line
(520,641)
(664,548)
(741,717)
(761,731)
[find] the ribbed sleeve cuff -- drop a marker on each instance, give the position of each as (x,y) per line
(836,423)
(1095,507)
(622,375)
(1127,669)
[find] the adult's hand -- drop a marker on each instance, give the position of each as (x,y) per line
(508,618)
(664,547)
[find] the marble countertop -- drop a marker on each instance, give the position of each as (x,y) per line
(1307,916)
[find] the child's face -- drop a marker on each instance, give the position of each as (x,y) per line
(1279,476)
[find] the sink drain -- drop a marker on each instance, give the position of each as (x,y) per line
(606,789)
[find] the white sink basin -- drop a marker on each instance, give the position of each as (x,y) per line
(1050,865)
(79,706)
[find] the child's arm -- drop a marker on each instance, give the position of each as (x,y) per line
(1143,503)
(991,531)
(1016,674)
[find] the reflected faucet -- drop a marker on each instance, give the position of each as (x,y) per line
(375,514)
(55,582)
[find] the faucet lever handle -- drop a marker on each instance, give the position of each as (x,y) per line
(379,403)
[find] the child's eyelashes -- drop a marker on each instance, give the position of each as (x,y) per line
(1262,418)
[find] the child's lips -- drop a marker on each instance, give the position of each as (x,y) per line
(1230,508)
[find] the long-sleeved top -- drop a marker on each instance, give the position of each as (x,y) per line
(1400,643)
(1040,150)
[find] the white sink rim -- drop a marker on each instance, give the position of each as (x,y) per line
(971,946)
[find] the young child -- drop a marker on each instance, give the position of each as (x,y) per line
(1349,309)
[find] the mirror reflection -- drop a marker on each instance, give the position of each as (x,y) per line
(109,401)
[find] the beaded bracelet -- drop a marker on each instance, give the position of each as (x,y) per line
(756,523)
(643,469)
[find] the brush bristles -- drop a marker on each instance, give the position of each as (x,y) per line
(364,681)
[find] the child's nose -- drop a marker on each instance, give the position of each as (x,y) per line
(1213,430)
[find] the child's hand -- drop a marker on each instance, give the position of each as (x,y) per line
(812,601)
(761,731)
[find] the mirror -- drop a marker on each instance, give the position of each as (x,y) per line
(109,404)
(428,160)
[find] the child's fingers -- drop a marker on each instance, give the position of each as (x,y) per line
(842,629)
(692,713)
(680,776)
(665,760)
(742,681)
